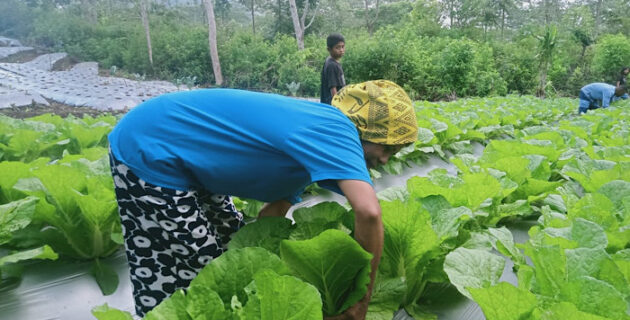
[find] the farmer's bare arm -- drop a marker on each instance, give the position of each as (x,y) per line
(333,91)
(275,209)
(368,232)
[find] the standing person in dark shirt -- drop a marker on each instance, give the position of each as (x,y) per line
(624,75)
(332,72)
(622,80)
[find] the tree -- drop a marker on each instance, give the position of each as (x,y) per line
(89,11)
(598,16)
(611,16)
(299,22)
(251,4)
(488,15)
(426,17)
(212,42)
(369,22)
(450,6)
(551,10)
(546,46)
(504,6)
(144,15)
(579,21)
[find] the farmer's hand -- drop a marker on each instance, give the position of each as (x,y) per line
(356,312)
(275,209)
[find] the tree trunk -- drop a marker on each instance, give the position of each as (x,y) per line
(279,15)
(502,22)
(299,30)
(598,18)
(367,18)
(144,15)
(212,41)
(88,11)
(253,18)
(370,23)
(452,14)
(543,80)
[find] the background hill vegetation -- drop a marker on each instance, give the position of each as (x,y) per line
(436,49)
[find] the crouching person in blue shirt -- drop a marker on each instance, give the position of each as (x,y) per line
(596,95)
(176,160)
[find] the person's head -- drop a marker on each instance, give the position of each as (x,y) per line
(625,71)
(621,90)
(336,45)
(384,116)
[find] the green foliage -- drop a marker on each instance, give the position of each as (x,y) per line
(429,68)
(504,301)
(246,61)
(16,20)
(250,62)
(14,216)
(410,242)
(265,233)
(334,263)
(611,53)
(476,56)
(261,289)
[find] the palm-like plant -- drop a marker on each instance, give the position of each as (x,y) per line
(546,46)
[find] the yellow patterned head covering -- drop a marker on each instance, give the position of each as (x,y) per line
(381,110)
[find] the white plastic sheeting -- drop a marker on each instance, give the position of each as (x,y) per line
(19,99)
(7,51)
(80,86)
(45,62)
(65,290)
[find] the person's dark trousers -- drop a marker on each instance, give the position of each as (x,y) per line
(586,103)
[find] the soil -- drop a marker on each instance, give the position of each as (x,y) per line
(23,56)
(59,109)
(64,64)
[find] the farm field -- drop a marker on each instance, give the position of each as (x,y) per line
(506,208)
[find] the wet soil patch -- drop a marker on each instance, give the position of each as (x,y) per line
(65,63)
(59,109)
(24,56)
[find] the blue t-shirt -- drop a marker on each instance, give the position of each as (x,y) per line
(599,92)
(254,145)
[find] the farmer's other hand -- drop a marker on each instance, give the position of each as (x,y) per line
(356,312)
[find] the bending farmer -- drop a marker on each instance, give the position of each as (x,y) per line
(596,95)
(176,160)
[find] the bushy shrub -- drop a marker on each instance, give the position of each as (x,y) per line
(63,31)
(370,58)
(456,66)
(245,61)
(611,53)
(180,51)
(249,61)
(431,63)
(516,65)
(302,67)
(428,67)
(567,58)
(486,80)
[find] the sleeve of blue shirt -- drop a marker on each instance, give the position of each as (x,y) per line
(607,95)
(329,153)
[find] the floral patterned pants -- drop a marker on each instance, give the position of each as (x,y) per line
(170,235)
